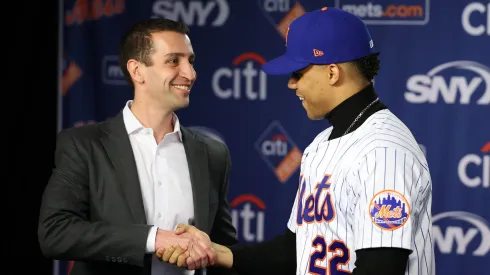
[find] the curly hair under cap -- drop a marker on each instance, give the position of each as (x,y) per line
(367,66)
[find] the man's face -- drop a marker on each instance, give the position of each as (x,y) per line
(169,80)
(311,86)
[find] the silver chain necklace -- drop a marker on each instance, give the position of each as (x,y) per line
(359,116)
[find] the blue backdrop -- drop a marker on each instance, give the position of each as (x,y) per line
(434,75)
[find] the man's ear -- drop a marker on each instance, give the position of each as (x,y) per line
(135,69)
(333,73)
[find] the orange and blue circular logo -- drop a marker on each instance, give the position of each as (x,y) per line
(389,210)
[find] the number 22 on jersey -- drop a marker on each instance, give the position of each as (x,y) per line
(316,210)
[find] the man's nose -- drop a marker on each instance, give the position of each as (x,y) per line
(187,71)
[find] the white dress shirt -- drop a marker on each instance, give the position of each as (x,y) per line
(165,182)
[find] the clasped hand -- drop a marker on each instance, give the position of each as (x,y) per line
(193,251)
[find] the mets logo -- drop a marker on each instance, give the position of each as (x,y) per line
(389,210)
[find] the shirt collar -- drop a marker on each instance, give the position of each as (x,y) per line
(132,124)
(342,116)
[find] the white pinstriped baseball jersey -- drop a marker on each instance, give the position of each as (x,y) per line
(369,188)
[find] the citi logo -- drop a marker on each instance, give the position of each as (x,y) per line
(245,80)
(248,217)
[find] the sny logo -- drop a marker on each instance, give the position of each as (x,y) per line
(193,12)
(240,80)
(480,165)
(280,13)
(461,228)
(384,12)
(461,80)
(251,208)
(279,151)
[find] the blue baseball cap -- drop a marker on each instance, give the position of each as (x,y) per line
(324,36)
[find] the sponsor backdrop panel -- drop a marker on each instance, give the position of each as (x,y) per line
(434,74)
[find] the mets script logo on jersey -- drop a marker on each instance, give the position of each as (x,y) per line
(281,13)
(474,169)
(245,80)
(461,233)
(279,151)
(193,13)
(388,12)
(247,211)
(463,82)
(318,206)
(389,210)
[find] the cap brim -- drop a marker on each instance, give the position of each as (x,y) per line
(283,65)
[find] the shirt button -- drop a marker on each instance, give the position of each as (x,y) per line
(160,183)
(159,215)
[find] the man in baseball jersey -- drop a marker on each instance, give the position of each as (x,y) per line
(364,199)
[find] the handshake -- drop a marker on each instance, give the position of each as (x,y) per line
(191,248)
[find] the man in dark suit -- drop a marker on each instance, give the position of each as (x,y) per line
(120,187)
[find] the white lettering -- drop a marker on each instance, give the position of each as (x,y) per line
(115,71)
(366,10)
(453,235)
(422,88)
(276,5)
(274,148)
(475,30)
(476,181)
(195,13)
(249,73)
(247,215)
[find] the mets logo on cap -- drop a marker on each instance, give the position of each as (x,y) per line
(389,210)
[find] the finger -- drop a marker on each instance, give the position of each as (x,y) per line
(191,265)
(173,258)
(160,252)
(210,253)
(168,252)
(199,255)
(181,261)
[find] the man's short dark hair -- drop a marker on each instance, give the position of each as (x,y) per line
(137,42)
(367,66)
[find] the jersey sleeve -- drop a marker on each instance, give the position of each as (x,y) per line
(292,224)
(389,183)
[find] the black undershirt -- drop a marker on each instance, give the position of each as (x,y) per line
(278,256)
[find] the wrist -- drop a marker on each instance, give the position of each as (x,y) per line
(224,256)
(160,237)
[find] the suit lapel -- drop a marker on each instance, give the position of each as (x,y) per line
(197,159)
(116,142)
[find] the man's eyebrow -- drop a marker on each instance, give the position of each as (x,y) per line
(179,54)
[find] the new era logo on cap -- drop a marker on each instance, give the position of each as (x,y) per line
(324,36)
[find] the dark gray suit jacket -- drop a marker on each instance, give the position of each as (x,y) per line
(92,208)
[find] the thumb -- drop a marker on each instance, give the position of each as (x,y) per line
(181,228)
